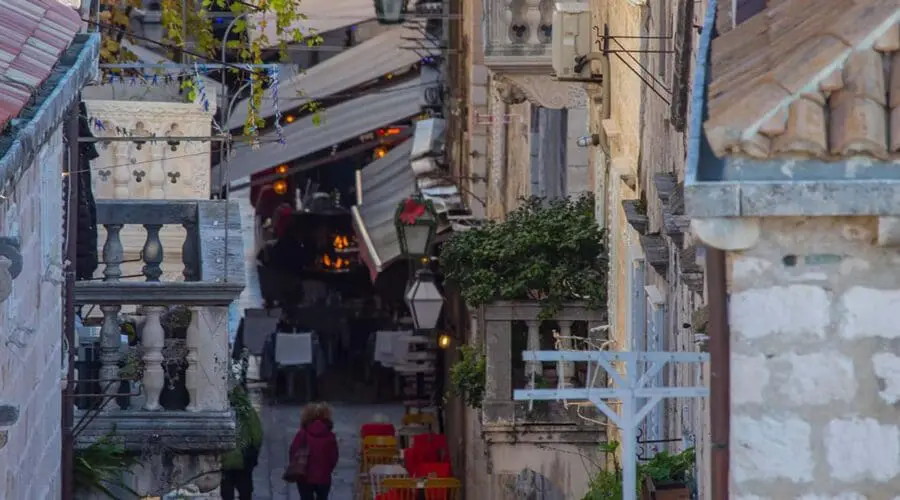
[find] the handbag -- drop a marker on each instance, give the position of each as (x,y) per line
(296,469)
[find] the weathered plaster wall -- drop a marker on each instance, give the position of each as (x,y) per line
(518,156)
(814,374)
(31,331)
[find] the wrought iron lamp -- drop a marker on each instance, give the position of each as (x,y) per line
(390,11)
(416,222)
(424,300)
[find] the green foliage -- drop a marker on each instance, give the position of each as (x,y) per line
(665,467)
(551,252)
(467,376)
(249,429)
(100,467)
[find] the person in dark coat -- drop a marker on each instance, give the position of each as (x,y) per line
(317,436)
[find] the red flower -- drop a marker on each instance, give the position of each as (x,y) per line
(411,212)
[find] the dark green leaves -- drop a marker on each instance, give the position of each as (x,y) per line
(547,251)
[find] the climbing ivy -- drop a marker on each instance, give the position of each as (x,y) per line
(552,252)
(467,376)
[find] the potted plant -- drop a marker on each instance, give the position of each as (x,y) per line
(668,476)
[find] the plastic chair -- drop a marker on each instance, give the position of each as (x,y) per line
(379,441)
(419,419)
(377,429)
(447,488)
(379,456)
(432,470)
(432,447)
(378,474)
(399,489)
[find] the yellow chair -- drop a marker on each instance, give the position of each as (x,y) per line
(405,488)
(379,442)
(372,457)
(419,419)
(442,488)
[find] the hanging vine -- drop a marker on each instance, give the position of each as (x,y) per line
(188,23)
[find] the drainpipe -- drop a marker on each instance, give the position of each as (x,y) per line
(720,360)
(70,185)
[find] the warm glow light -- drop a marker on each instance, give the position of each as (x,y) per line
(289,118)
(384,132)
(444,341)
(280,186)
(380,151)
(335,263)
(341,242)
(281,169)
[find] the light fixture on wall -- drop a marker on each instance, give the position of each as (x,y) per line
(444,340)
(280,186)
(424,300)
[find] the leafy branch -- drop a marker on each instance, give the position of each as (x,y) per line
(188,22)
(552,252)
(467,376)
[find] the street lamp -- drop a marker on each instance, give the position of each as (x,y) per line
(390,11)
(424,301)
(416,222)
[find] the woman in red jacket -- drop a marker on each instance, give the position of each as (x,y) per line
(316,435)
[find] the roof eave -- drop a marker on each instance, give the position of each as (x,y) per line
(52,110)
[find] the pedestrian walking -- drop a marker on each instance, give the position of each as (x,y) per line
(313,453)
(238,464)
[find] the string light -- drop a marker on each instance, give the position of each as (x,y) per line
(281,169)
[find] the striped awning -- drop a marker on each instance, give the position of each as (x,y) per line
(321,16)
(382,185)
(341,123)
(383,54)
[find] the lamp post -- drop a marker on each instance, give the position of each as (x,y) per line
(416,222)
(390,11)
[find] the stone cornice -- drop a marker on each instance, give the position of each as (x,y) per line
(147,111)
(544,90)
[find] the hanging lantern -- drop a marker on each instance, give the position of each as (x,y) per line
(416,223)
(390,11)
(424,301)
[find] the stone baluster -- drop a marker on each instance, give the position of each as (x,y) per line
(153,341)
(533,343)
(565,369)
(121,175)
(113,253)
(156,177)
(152,253)
(189,252)
(516,21)
(192,373)
(110,346)
(207,371)
(532,18)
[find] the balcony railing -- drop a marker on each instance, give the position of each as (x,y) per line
(513,327)
(168,385)
(518,35)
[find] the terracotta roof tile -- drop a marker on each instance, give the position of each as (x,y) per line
(35,33)
(809,78)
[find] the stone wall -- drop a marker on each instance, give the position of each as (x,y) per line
(31,370)
(815,380)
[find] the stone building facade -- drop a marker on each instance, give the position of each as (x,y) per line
(38,135)
(798,190)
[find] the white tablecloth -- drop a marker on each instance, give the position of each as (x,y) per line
(385,349)
(378,473)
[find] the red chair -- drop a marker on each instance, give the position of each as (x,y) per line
(432,447)
(377,429)
(432,470)
(411,459)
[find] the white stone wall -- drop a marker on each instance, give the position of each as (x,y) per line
(815,323)
(31,331)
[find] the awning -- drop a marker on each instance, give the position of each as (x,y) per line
(409,168)
(321,16)
(383,184)
(148,56)
(355,66)
(340,123)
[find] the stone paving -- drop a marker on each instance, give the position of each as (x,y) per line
(280,423)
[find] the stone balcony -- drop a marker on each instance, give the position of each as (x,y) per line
(513,327)
(167,389)
(518,35)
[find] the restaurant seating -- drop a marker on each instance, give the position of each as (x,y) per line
(377,429)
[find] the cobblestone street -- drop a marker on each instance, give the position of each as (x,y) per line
(280,422)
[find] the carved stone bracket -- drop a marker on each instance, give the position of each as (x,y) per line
(727,233)
(545,91)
